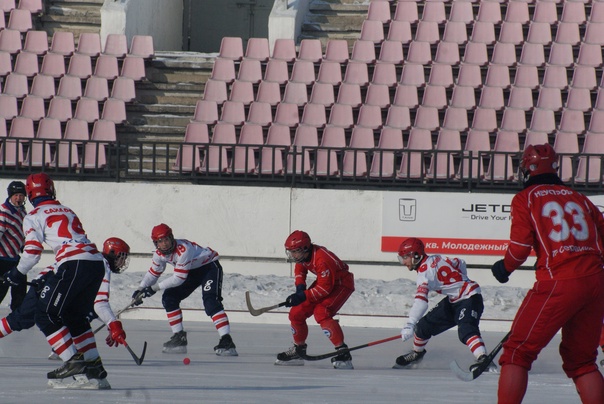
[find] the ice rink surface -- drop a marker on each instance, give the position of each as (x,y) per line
(252,377)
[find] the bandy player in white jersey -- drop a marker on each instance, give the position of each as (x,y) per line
(462,306)
(61,312)
(194,266)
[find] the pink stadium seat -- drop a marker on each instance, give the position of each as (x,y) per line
(384,73)
(442,164)
(501,166)
(435,96)
(483,32)
(566,143)
(526,76)
(33,6)
(406,96)
(258,49)
(62,43)
(49,128)
(300,162)
(134,68)
(43,86)
(491,97)
(341,115)
(223,70)
(441,75)
(594,32)
(233,112)
(461,11)
(284,49)
(412,163)
(26,63)
(447,53)
(87,109)
(413,74)
(8,106)
(16,84)
(550,98)
(400,31)
(260,113)
(568,33)
(272,157)
(419,52)
(350,94)
(354,161)
(504,53)
(476,53)
(406,11)
(427,31)
(116,45)
(561,54)
(59,108)
(36,42)
(596,122)
(543,120)
(106,66)
(114,110)
(310,49)
(322,93)
(485,119)
(391,52)
(327,159)
(521,98)
(80,66)
(535,138)
(573,12)
(370,116)
(33,107)
(303,71)
(19,20)
(517,12)
(589,168)
(427,118)
(215,90)
(76,129)
(269,92)
(7,5)
(489,11)
(572,121)
(533,54)
(276,71)
(434,11)
(363,51)
(231,48)
(456,119)
(379,11)
(513,120)
(251,134)
(378,94)
(398,117)
(206,112)
(187,159)
(89,43)
(336,50)
(456,31)
(597,12)
(498,76)
(590,55)
(142,45)
(545,11)
(53,64)
(6,64)
(469,75)
(463,97)
(599,104)
(539,32)
(242,91)
(357,73)
(22,127)
(372,31)
(250,70)
(330,72)
(10,41)
(314,115)
(97,88)
(295,93)
(103,130)
(555,77)
(287,114)
(384,159)
(472,165)
(123,88)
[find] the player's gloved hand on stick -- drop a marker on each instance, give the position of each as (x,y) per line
(300,288)
(408,331)
(499,272)
(295,299)
(14,277)
(117,335)
(140,293)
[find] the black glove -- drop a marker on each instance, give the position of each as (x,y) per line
(499,272)
(295,299)
(140,293)
(300,288)
(14,277)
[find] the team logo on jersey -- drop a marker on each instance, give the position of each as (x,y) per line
(208,286)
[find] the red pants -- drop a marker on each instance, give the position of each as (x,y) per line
(576,306)
(323,312)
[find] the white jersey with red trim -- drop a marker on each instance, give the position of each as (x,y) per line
(444,275)
(59,227)
(186,255)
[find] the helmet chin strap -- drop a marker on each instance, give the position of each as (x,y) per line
(415,263)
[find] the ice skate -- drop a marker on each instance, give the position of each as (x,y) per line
(54,357)
(290,357)
(177,344)
(226,346)
(492,368)
(343,360)
(79,382)
(406,361)
(75,365)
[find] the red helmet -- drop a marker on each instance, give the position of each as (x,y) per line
(538,159)
(298,241)
(117,253)
(413,247)
(163,231)
(39,184)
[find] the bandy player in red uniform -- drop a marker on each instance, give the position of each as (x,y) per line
(566,230)
(325,296)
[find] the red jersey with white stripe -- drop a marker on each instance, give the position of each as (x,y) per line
(564,228)
(59,227)
(186,255)
(328,268)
